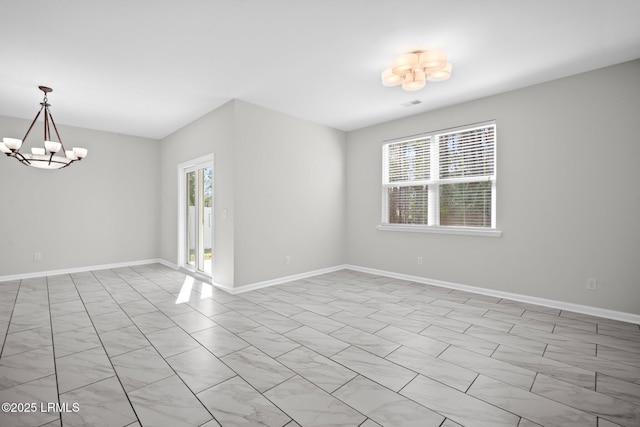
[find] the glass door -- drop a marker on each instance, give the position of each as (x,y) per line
(197,217)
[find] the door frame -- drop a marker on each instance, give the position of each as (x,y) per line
(183,169)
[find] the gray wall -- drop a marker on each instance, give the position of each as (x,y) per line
(290,195)
(282,181)
(212,133)
(568,199)
(102,210)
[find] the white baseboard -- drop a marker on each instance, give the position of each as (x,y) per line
(81,269)
(578,308)
(285,279)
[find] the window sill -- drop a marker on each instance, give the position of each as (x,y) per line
(467,231)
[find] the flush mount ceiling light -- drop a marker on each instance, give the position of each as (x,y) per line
(43,157)
(413,69)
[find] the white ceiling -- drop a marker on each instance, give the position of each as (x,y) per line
(149,67)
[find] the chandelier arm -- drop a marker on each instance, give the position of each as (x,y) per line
(32,123)
(47,132)
(56,129)
(22,159)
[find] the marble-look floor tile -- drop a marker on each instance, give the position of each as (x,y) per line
(172,341)
(111,321)
(494,368)
(559,320)
(320,370)
(168,402)
(319,308)
(74,341)
(123,340)
(317,341)
(496,325)
(554,339)
(103,403)
(360,322)
(437,320)
(311,406)
(618,388)
(26,367)
(384,406)
(276,322)
(352,307)
(234,322)
(140,306)
(538,409)
(376,368)
(23,322)
(463,308)
(141,367)
(610,408)
(83,368)
(459,407)
(469,342)
(31,339)
(70,322)
(440,370)
(103,306)
(596,364)
(67,307)
(258,369)
(219,341)
(200,369)
(412,340)
(282,308)
(234,403)
(151,322)
(571,374)
(268,341)
(518,320)
(208,307)
(41,390)
(193,321)
(309,324)
(629,345)
(319,323)
(372,343)
(617,355)
(489,335)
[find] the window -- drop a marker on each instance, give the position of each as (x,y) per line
(441,181)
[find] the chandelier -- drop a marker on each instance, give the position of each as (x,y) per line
(413,69)
(43,157)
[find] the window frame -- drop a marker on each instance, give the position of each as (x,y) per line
(433,184)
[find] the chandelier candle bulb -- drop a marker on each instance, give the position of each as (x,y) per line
(4,149)
(12,143)
(80,153)
(38,151)
(52,147)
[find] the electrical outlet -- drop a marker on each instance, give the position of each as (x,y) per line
(287,259)
(419,260)
(37,256)
(592,284)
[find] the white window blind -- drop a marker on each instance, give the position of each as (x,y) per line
(444,178)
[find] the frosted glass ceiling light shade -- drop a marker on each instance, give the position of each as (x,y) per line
(413,69)
(432,59)
(390,79)
(441,74)
(404,63)
(43,157)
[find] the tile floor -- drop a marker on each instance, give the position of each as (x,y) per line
(146,346)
